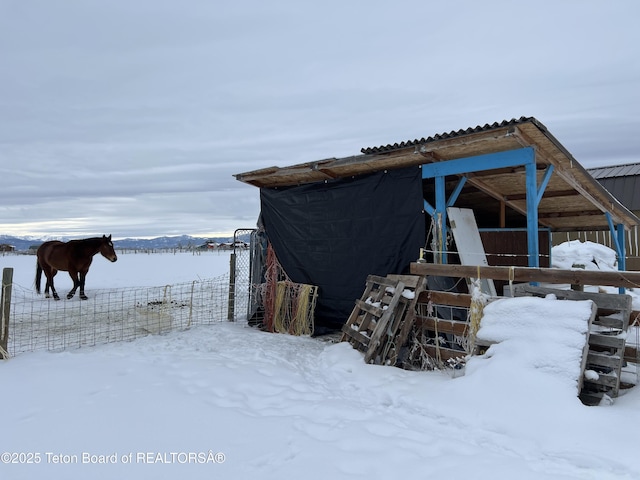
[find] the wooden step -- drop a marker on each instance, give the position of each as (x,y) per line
(600,340)
(602,360)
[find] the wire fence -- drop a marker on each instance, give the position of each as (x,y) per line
(124,314)
(113,315)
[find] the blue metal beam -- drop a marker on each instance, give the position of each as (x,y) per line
(456,192)
(544,183)
(479,163)
(511,158)
(429,209)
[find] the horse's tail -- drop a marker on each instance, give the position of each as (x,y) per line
(38,275)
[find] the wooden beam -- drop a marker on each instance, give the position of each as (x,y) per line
(547,194)
(466,140)
(596,195)
(581,213)
(526,274)
(444,326)
(5,305)
(631,353)
(445,298)
(442,352)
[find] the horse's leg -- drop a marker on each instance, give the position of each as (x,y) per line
(50,273)
(83,277)
(76,283)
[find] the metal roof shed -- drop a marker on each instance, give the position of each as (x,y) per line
(513,173)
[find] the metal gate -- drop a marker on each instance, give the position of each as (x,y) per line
(245,271)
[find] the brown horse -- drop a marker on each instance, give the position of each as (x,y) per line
(74,257)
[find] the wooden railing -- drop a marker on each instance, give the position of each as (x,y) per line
(580,277)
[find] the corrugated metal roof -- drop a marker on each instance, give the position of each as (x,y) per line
(443,136)
(625,170)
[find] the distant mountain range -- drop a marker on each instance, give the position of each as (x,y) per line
(182,241)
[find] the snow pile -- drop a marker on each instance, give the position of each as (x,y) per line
(592,256)
(585,255)
(539,334)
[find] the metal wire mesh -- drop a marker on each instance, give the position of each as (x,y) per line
(240,290)
(113,315)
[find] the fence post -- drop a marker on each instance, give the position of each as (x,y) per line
(5,302)
(232,288)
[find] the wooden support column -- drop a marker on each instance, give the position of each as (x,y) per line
(5,306)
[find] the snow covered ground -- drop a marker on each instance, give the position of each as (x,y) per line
(230,402)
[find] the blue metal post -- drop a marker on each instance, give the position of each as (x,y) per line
(618,236)
(622,255)
(532,215)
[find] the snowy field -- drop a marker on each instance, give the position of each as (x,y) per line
(226,401)
(131,270)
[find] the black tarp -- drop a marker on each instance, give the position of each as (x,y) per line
(333,234)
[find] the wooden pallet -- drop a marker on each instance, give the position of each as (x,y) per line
(604,350)
(435,321)
(381,319)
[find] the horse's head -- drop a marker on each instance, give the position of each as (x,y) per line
(107,250)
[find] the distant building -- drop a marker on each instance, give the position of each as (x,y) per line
(623,182)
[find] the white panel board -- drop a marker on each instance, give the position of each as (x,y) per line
(468,242)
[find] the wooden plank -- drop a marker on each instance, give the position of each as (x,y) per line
(591,398)
(5,306)
(610,322)
(604,380)
(409,320)
(387,282)
(369,308)
(608,303)
(445,353)
(631,354)
(526,274)
(444,326)
(410,281)
(586,347)
(606,341)
(375,288)
(382,323)
(445,298)
(611,301)
(603,360)
(355,335)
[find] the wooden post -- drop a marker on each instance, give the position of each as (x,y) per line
(232,288)
(5,302)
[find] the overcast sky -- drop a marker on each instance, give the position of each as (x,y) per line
(130,117)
